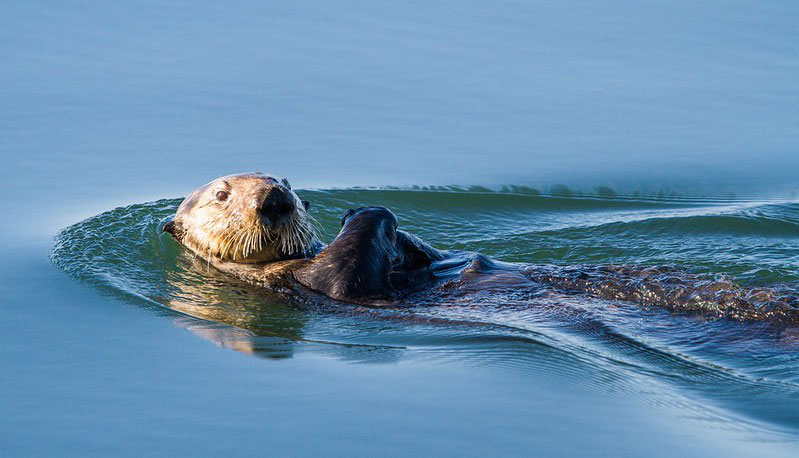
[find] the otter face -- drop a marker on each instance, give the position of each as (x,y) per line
(248,217)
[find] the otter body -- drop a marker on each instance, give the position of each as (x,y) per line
(254,227)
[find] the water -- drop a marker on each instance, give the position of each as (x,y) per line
(576,134)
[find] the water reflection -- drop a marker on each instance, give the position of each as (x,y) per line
(256,321)
(237,339)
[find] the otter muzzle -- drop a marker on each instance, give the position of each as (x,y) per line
(277,203)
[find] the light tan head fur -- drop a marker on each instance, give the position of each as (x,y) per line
(248,217)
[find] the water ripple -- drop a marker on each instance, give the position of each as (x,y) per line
(749,368)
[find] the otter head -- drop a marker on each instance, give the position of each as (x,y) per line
(248,217)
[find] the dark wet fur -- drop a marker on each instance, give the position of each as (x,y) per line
(369,258)
(371,261)
(358,263)
(676,290)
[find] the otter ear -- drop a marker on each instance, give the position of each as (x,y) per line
(285,183)
(306,204)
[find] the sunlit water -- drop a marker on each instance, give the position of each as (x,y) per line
(580,134)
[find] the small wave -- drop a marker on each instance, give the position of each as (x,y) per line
(723,224)
(474,199)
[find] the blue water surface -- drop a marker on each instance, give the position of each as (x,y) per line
(579,132)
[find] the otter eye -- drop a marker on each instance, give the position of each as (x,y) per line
(221,196)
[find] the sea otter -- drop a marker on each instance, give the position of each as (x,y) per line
(255,227)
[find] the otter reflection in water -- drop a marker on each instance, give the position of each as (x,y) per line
(229,315)
(252,320)
(254,227)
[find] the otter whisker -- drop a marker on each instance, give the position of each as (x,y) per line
(313,225)
(226,244)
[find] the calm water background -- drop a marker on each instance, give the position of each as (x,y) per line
(104,106)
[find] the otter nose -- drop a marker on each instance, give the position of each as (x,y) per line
(276,204)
